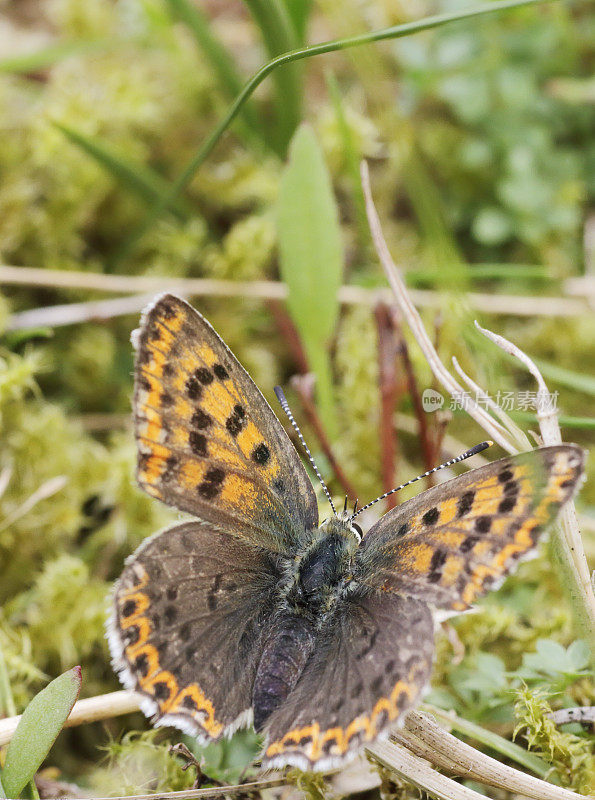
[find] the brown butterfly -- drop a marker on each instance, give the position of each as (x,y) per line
(255,612)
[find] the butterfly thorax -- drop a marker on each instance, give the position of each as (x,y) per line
(314,581)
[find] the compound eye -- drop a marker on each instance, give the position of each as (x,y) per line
(355,527)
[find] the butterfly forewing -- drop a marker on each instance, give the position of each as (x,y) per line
(454,542)
(208,442)
(188,616)
(371,662)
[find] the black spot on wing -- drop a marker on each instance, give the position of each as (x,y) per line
(261,454)
(198,443)
(220,372)
(436,564)
(236,420)
(465,503)
(204,376)
(431,516)
(200,419)
(483,524)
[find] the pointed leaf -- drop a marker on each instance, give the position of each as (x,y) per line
(311,255)
(42,721)
(137,178)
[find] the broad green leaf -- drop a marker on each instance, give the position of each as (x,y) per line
(137,178)
(311,256)
(38,728)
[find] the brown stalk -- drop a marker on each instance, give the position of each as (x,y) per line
(289,333)
(422,420)
(304,386)
(389,396)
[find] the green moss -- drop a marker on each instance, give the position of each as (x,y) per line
(571,756)
(357,371)
(141,762)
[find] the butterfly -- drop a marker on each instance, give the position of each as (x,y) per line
(253,611)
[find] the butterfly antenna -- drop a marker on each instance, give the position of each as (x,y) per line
(285,406)
(467,454)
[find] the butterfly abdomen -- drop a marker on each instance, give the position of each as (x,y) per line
(288,647)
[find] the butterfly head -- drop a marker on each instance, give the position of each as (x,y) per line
(342,527)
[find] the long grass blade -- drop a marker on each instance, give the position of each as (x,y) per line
(393,32)
(50,55)
(221,62)
(279,36)
(140,180)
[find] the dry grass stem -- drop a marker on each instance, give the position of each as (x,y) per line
(427,739)
(68,314)
(404,299)
(582,714)
(103,706)
(508,423)
(418,772)
(195,794)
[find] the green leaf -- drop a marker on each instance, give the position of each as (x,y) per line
(311,257)
(567,377)
(38,729)
(279,36)
(299,12)
(52,54)
(137,178)
(582,423)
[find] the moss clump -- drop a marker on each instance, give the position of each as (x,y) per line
(571,756)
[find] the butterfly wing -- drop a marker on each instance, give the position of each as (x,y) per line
(186,625)
(208,442)
(371,662)
(455,541)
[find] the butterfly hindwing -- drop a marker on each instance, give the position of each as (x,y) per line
(455,541)
(371,662)
(188,615)
(207,440)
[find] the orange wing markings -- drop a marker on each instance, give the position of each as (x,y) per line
(524,538)
(315,742)
(160,684)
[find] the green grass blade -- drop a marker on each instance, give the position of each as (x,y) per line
(42,721)
(7,706)
(137,178)
(579,423)
(279,36)
(508,272)
(2,792)
(311,257)
(299,13)
(497,743)
(230,80)
(52,54)
(206,148)
(567,377)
